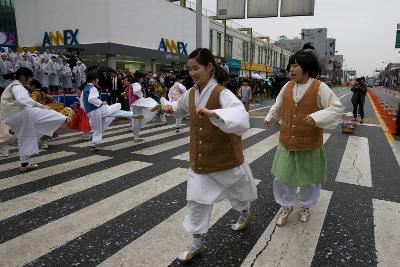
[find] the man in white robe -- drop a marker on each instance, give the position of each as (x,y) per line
(29,119)
(99,113)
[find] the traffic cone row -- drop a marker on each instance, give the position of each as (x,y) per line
(386,112)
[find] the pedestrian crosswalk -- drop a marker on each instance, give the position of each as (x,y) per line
(124,206)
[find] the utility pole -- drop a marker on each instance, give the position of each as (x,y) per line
(252,46)
(199,23)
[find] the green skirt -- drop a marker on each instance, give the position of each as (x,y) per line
(298,168)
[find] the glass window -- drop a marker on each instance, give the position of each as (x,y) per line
(211,41)
(218,44)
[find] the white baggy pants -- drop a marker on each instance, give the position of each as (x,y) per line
(197,219)
(285,195)
(30,124)
(102,117)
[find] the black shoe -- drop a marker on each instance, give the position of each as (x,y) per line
(93,148)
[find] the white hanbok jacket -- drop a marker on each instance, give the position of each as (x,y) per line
(236,183)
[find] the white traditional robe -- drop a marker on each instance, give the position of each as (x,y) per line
(40,74)
(5,68)
(53,72)
(101,118)
(66,77)
(142,106)
(234,184)
(31,123)
(24,63)
(80,75)
(326,118)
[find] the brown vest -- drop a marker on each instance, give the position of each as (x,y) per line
(295,135)
(211,149)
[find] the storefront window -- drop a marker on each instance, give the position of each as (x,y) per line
(218,44)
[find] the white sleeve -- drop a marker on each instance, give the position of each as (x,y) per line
(23,98)
(94,97)
(181,107)
(74,69)
(275,112)
(137,90)
(331,108)
(232,116)
(182,88)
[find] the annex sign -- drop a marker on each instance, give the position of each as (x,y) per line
(171,46)
(67,37)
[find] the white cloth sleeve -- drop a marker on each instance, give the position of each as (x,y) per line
(232,116)
(331,108)
(275,112)
(137,90)
(23,98)
(94,97)
(181,107)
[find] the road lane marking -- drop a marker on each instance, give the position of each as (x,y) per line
(355,167)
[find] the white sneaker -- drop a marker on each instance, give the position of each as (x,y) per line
(190,252)
(283,216)
(304,214)
(137,139)
(244,220)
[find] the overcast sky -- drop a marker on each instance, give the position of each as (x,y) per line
(365,30)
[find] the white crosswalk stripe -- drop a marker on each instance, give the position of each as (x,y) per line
(35,160)
(144,248)
(39,198)
(183,141)
(387,216)
(49,171)
(42,240)
(123,136)
(356,167)
(292,245)
(124,145)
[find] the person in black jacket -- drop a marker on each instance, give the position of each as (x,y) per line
(115,89)
(358,99)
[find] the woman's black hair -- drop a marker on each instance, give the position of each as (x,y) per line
(92,76)
(179,77)
(307,60)
(137,76)
(204,57)
(28,73)
(36,84)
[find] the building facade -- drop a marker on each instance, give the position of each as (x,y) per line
(245,53)
(118,33)
(135,35)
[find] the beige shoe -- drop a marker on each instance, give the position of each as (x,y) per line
(138,117)
(244,220)
(304,214)
(137,140)
(283,216)
(28,168)
(190,252)
(155,108)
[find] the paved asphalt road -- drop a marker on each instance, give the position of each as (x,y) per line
(124,205)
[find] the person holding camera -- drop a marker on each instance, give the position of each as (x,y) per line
(359,90)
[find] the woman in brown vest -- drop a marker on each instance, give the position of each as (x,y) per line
(217,168)
(305,106)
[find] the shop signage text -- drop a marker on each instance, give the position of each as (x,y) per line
(167,45)
(69,37)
